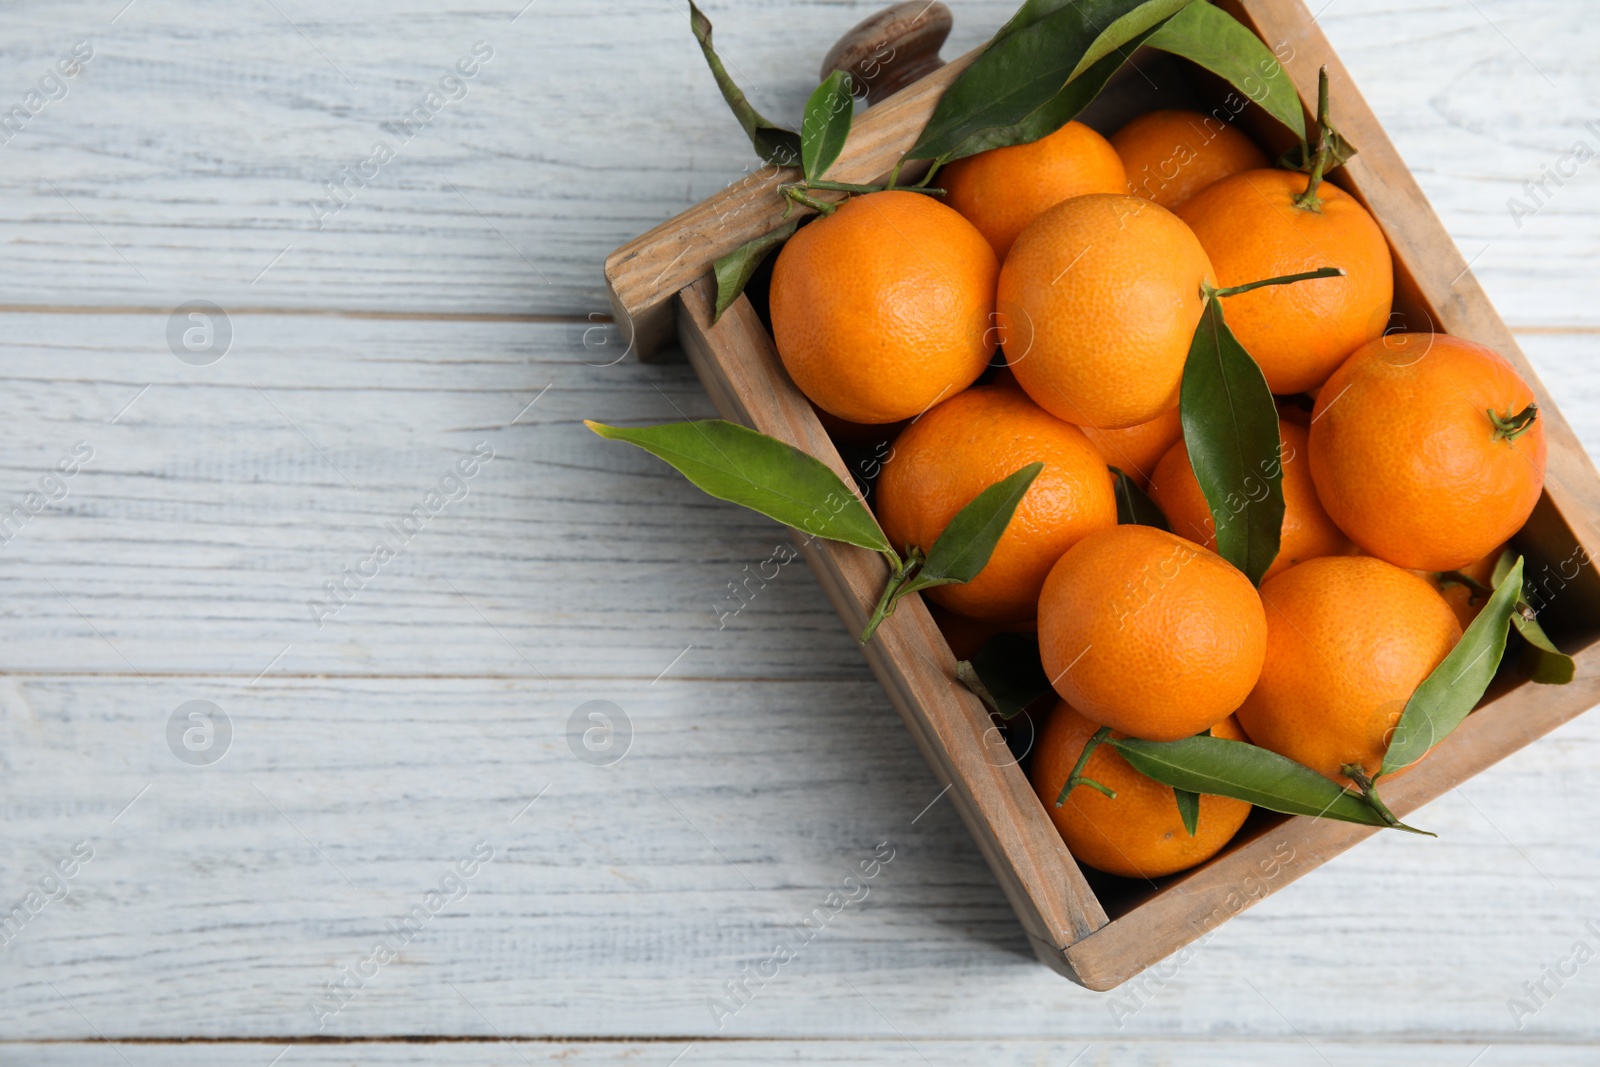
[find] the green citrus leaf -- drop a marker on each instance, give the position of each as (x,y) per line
(1230,425)
(1027,64)
(1188,808)
(964,547)
(1009,672)
(826,125)
(1135,24)
(1448,695)
(1056,112)
(1540,660)
(761,473)
(1224,768)
(1217,41)
(735,269)
(773,144)
(1134,506)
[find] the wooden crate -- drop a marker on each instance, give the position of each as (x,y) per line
(1098,930)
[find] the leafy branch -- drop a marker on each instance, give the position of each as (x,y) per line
(775,479)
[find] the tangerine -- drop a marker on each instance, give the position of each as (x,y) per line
(1252,228)
(1138,833)
(1465,599)
(1098,303)
(1135,450)
(1427,450)
(1349,639)
(1148,633)
(883,307)
(1307,531)
(957,450)
(1171,155)
(1002,190)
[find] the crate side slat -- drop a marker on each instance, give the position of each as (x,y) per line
(736,361)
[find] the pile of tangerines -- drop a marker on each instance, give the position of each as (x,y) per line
(1407,459)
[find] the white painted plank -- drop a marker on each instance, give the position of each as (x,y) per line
(622,902)
(218,504)
(188,542)
(182,163)
(909,1051)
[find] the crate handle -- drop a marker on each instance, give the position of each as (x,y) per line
(891,49)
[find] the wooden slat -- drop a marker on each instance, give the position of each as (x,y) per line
(911,1051)
(206,914)
(194,139)
(736,359)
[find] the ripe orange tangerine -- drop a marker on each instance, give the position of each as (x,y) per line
(1307,532)
(1002,190)
(1171,155)
(1148,633)
(1349,639)
(1098,304)
(1135,450)
(1428,450)
(884,307)
(1252,230)
(961,447)
(1138,833)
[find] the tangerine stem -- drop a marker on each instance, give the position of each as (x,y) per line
(1369,793)
(1308,200)
(1076,778)
(1478,590)
(1510,426)
(847,187)
(900,573)
(1320,272)
(821,207)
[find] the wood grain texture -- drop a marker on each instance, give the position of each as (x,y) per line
(626,898)
(195,139)
(910,1051)
(235,491)
(206,913)
(192,543)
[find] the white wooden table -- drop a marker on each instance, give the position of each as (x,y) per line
(442,308)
